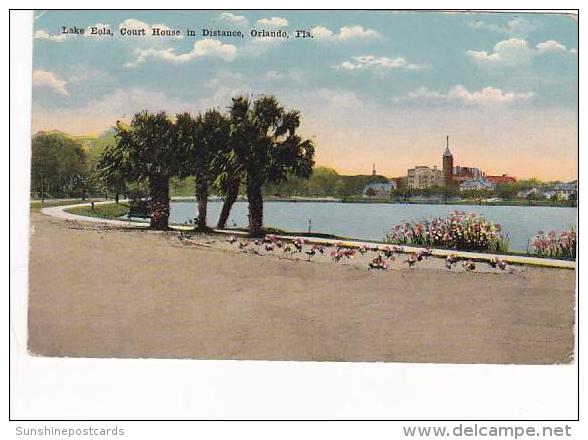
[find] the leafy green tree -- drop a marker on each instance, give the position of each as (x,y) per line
(109,170)
(370,192)
(507,191)
(266,148)
(533,196)
(57,160)
(147,151)
(80,185)
(323,182)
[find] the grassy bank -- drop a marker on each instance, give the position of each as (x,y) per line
(107,211)
(37,205)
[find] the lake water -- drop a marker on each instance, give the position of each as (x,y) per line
(372,221)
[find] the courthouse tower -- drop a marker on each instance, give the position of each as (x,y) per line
(447,165)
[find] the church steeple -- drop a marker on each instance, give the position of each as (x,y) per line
(447,165)
(447,153)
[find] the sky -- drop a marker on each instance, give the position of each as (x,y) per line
(379,87)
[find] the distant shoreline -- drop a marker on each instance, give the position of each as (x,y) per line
(522,203)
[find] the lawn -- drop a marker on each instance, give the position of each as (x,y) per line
(109,210)
(37,205)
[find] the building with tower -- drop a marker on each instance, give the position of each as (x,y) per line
(423,177)
(447,165)
(378,186)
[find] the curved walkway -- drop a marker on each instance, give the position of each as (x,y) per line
(60,212)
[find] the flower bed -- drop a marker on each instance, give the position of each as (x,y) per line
(552,245)
(460,231)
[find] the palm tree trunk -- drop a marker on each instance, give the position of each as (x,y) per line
(159,206)
(202,200)
(255,199)
(231,197)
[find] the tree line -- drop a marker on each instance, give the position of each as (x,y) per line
(253,144)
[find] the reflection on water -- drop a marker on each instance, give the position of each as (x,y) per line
(372,221)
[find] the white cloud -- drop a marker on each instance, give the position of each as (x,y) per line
(46,79)
(485,96)
(551,46)
(207,47)
(516,51)
(511,51)
(340,99)
(517,26)
(345,33)
(234,19)
(96,115)
(44,35)
(365,62)
(322,33)
(83,73)
(210,47)
(273,22)
(133,23)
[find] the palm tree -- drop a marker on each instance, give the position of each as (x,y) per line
(227,184)
(147,151)
(201,139)
(213,141)
(266,149)
(108,169)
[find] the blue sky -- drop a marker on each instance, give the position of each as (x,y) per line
(372,86)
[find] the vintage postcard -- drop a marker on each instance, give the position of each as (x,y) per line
(381,186)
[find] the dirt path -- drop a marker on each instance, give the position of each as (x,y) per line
(96,292)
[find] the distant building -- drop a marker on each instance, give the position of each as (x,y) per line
(477,184)
(379,189)
(401,182)
(561,190)
(526,193)
(565,190)
(447,165)
(423,177)
(461,174)
(501,180)
(455,174)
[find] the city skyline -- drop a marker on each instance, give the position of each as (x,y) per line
(382,88)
